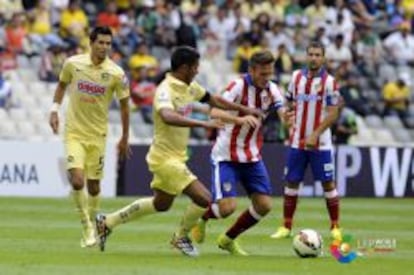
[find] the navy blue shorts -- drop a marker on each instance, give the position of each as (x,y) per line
(320,161)
(226,175)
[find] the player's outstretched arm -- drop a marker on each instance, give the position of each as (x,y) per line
(221,103)
(123,147)
(226,117)
(57,101)
(171,117)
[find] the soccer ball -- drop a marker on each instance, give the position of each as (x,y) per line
(307,243)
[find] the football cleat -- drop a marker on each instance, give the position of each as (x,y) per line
(185,245)
(102,230)
(230,245)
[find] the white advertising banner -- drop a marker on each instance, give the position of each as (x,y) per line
(37,169)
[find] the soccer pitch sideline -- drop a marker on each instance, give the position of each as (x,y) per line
(41,236)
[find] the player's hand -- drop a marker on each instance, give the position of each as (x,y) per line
(54,122)
(250,120)
(289,118)
(255,112)
(124,151)
(311,141)
(214,123)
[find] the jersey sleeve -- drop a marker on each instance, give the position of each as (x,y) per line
(162,99)
(332,93)
(122,87)
(291,87)
(66,72)
(233,91)
(198,91)
(277,97)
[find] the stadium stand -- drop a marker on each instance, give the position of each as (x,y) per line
(370,49)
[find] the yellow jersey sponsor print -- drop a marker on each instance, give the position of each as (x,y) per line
(91,89)
(171,141)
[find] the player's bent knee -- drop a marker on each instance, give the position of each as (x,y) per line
(328,186)
(227,207)
(161,207)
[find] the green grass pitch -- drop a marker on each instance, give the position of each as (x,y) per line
(41,236)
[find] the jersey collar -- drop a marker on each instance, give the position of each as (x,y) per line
(305,72)
(249,81)
(175,81)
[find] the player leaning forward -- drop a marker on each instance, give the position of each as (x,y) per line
(167,155)
(92,80)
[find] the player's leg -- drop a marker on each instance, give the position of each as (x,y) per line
(297,161)
(323,170)
(223,187)
(75,159)
(256,182)
(95,156)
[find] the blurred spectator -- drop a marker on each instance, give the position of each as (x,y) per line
(316,14)
(9,7)
(345,126)
(408,6)
(74,25)
(127,39)
(299,49)
(277,37)
(338,53)
(186,34)
(51,63)
(256,33)
(275,8)
(169,20)
(283,63)
(216,25)
(400,46)
(109,18)
(264,20)
(353,96)
(294,14)
(397,96)
(340,8)
(250,9)
(142,93)
(40,28)
(321,36)
(15,36)
(368,51)
(56,9)
(243,54)
(147,21)
(190,7)
(142,58)
(340,26)
(5,90)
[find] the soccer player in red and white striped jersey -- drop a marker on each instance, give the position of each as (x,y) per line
(236,155)
(313,96)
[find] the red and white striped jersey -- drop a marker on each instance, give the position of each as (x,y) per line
(244,143)
(312,96)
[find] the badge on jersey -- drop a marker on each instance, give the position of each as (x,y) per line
(163,97)
(105,76)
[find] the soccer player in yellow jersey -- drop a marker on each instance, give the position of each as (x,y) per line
(92,80)
(167,154)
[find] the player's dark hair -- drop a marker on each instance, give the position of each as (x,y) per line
(99,30)
(264,57)
(184,55)
(316,44)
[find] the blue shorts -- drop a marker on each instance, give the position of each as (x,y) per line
(226,175)
(320,162)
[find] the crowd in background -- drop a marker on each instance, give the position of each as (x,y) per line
(369,44)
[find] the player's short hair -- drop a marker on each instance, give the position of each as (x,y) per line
(316,44)
(184,55)
(99,30)
(263,57)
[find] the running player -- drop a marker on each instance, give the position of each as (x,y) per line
(92,80)
(167,155)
